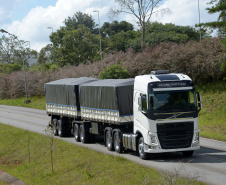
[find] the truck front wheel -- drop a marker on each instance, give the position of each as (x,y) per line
(142,154)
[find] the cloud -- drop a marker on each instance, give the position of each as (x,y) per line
(185,12)
(33,27)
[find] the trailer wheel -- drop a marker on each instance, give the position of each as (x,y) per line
(84,136)
(59,123)
(55,129)
(187,153)
(117,144)
(108,140)
(62,128)
(142,154)
(76,133)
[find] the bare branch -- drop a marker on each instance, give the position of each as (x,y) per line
(141,9)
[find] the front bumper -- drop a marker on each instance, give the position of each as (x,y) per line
(149,149)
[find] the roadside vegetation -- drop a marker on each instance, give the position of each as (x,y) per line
(37,102)
(212,119)
(71,164)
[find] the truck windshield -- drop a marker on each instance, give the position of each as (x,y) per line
(165,100)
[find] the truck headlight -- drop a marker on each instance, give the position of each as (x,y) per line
(195,139)
(154,140)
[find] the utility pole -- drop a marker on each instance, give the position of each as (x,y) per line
(99,33)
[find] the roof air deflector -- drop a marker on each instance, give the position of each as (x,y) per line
(160,72)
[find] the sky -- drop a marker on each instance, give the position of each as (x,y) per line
(29,19)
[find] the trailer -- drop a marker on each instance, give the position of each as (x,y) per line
(152,113)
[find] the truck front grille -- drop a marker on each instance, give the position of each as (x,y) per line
(175,135)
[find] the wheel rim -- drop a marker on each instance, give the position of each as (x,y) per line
(76,132)
(59,129)
(108,140)
(116,142)
(54,129)
(141,148)
(81,134)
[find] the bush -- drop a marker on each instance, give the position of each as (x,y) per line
(115,71)
(9,68)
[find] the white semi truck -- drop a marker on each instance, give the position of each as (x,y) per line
(153,113)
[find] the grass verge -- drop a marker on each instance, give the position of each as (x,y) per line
(212,119)
(71,164)
(37,102)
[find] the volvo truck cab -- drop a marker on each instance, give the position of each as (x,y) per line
(166,107)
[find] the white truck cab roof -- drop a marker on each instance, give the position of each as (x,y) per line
(163,77)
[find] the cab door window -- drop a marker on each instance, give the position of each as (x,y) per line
(144,103)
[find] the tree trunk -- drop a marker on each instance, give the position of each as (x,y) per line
(143,39)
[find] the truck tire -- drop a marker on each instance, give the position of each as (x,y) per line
(55,127)
(117,143)
(62,128)
(84,136)
(108,141)
(142,154)
(76,132)
(187,153)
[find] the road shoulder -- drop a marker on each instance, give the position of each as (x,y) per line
(9,179)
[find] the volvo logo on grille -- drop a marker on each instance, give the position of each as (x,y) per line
(174,116)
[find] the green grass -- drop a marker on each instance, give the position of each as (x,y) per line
(71,164)
(37,102)
(212,119)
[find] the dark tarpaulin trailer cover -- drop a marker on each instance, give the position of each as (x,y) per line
(65,91)
(109,94)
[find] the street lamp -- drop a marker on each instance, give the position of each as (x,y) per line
(99,33)
(25,81)
(199,22)
(29,49)
(50,28)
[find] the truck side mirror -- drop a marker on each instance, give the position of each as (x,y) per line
(199,101)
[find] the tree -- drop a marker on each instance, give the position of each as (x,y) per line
(115,71)
(13,53)
(220,24)
(158,32)
(76,42)
(115,27)
(141,9)
(72,23)
(117,34)
(44,55)
(119,41)
(77,46)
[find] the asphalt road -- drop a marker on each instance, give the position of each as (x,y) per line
(207,165)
